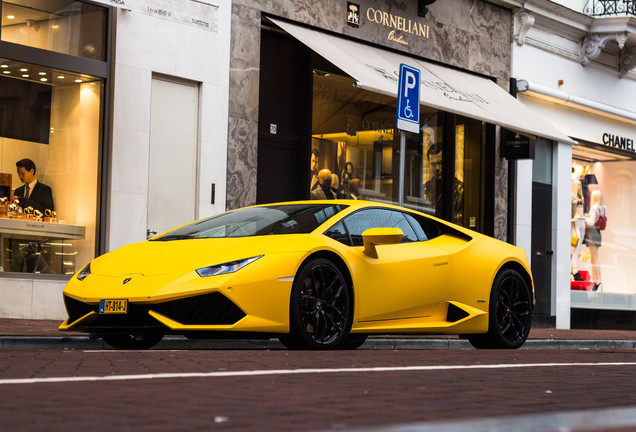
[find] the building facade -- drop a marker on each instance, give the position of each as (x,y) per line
(122,107)
(575,66)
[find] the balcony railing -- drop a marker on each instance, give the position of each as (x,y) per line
(599,8)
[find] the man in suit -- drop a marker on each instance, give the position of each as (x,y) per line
(24,253)
(32,193)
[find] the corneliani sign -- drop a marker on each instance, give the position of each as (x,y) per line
(618,142)
(398,26)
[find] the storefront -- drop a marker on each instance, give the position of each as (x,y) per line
(119,117)
(326,108)
(586,93)
(602,171)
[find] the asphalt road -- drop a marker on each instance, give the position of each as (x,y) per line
(278,390)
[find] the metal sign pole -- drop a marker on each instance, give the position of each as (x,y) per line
(407,117)
(402,163)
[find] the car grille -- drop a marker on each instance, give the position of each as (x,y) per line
(207,309)
(77,309)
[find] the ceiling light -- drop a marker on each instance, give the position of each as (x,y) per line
(25,75)
(78,80)
(43,79)
(42,73)
(6,72)
(60,77)
(23,70)
(11,16)
(4,66)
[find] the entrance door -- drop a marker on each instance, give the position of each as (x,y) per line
(173,154)
(541,260)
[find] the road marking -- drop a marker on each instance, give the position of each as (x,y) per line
(567,421)
(300,372)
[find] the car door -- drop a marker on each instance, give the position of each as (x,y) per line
(407,280)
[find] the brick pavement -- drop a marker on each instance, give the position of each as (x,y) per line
(309,402)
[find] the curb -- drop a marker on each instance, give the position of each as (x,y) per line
(381,343)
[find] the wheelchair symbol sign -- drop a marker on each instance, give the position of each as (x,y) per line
(408,103)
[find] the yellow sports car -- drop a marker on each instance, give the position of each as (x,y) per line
(315,274)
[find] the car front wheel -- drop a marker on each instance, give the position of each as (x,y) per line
(510,313)
(320,307)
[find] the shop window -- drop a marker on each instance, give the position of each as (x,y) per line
(603,253)
(50,120)
(68,27)
(354,149)
(355,153)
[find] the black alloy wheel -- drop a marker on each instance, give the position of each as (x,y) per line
(320,307)
(132,341)
(510,313)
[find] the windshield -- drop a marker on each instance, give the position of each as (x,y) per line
(257,221)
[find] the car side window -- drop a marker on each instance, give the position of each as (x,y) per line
(426,229)
(361,221)
(338,233)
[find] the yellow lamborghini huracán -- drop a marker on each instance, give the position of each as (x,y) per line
(315,274)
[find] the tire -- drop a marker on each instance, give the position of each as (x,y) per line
(509,315)
(132,341)
(352,341)
(320,307)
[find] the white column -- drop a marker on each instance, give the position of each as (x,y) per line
(561,231)
(523,209)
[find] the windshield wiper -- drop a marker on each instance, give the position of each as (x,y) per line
(175,237)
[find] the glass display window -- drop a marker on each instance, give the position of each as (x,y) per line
(355,153)
(50,138)
(64,26)
(354,146)
(603,236)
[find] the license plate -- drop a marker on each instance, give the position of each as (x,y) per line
(113,306)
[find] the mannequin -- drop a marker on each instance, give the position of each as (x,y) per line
(593,237)
(578,220)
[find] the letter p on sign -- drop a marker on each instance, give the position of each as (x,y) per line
(408,103)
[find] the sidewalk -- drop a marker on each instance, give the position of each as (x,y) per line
(40,334)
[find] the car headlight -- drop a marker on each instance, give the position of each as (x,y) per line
(84,272)
(228,267)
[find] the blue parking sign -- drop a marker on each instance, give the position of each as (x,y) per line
(408,103)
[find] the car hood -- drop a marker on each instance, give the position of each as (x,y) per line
(152,258)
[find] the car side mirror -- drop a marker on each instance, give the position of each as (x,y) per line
(380,236)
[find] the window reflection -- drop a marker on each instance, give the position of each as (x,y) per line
(64,26)
(355,153)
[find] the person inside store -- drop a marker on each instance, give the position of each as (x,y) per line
(354,188)
(32,193)
(314,171)
(593,236)
(27,255)
(323,190)
(433,187)
(335,187)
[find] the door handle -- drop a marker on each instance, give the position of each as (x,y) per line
(440,262)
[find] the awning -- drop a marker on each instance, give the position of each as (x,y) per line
(443,88)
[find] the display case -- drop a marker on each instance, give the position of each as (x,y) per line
(33,246)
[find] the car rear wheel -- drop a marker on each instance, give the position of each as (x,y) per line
(510,313)
(320,307)
(132,341)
